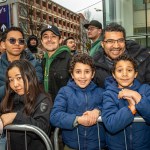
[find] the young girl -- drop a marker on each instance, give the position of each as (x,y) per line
(124,99)
(77,108)
(24,103)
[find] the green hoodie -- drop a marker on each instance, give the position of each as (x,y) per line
(49,60)
(95,47)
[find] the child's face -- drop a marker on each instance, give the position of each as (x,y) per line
(82,74)
(15,80)
(124,73)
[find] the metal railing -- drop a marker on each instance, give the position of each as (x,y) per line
(32,129)
(56,132)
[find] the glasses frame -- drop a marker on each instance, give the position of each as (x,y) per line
(112,41)
(20,41)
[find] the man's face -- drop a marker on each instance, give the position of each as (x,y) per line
(50,41)
(14,43)
(33,42)
(93,33)
(113,44)
(71,44)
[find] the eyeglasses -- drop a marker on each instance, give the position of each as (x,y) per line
(13,41)
(111,41)
(91,28)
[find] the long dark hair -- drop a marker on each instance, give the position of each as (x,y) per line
(31,86)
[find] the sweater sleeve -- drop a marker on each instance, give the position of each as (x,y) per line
(144,105)
(59,116)
(39,118)
(115,118)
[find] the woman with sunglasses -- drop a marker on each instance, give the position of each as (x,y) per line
(24,103)
(14,44)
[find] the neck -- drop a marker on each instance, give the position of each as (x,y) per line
(12,58)
(50,53)
(94,40)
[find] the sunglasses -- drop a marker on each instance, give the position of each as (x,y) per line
(13,41)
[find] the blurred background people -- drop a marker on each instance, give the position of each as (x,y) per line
(94,30)
(70,42)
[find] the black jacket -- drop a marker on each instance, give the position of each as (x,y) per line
(4,63)
(39,118)
(133,49)
(58,72)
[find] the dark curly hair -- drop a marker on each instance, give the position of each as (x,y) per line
(124,57)
(81,58)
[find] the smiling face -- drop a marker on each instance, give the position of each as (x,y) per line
(82,74)
(13,50)
(113,50)
(50,41)
(15,81)
(124,73)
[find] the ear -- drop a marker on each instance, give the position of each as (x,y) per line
(3,45)
(113,75)
(60,40)
(136,74)
(102,44)
(93,74)
(72,76)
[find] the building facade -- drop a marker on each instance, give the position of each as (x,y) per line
(32,15)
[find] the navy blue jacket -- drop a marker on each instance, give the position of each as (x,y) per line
(73,101)
(4,63)
(122,133)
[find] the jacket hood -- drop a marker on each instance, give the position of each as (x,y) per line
(73,85)
(111,84)
(32,47)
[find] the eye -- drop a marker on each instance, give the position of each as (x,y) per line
(10,79)
(119,70)
(130,70)
(19,78)
(77,71)
(87,71)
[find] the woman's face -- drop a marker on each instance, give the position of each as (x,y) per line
(15,81)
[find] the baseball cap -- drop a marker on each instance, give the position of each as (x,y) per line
(52,28)
(94,23)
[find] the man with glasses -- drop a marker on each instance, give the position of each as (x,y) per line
(114,44)
(14,43)
(94,30)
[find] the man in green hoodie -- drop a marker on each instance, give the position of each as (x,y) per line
(56,60)
(94,30)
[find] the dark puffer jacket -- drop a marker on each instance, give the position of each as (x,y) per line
(133,49)
(122,133)
(73,101)
(39,117)
(4,63)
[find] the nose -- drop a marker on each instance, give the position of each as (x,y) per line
(116,45)
(124,73)
(82,75)
(16,83)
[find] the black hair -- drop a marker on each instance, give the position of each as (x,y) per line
(113,27)
(124,57)
(69,38)
(4,35)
